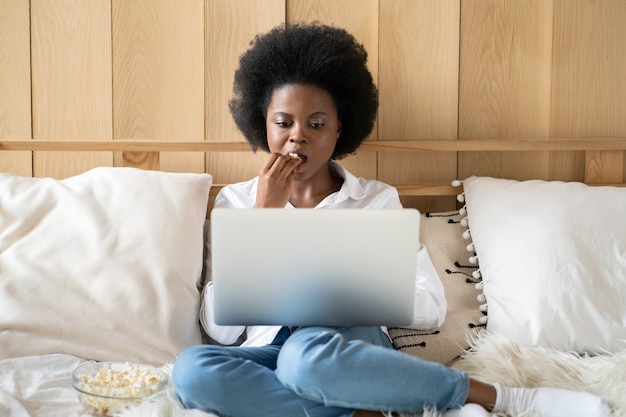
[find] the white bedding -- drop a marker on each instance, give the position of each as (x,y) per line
(39,386)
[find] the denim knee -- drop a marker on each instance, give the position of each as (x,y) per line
(189,376)
(302,359)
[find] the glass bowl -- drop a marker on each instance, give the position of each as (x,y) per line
(105,388)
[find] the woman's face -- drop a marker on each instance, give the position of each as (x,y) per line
(302,119)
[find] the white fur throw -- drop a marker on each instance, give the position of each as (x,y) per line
(492,358)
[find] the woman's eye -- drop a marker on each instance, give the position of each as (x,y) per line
(283,123)
(317,125)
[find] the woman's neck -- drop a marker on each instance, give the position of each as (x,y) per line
(309,193)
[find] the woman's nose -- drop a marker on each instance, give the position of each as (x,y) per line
(297,136)
(297,133)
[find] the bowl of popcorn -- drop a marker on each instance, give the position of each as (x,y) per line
(106,388)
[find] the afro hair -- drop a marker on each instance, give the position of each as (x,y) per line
(324,56)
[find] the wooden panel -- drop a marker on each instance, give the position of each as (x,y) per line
(230,26)
(71,80)
(505,81)
(15,120)
(418,82)
(419,42)
(529,69)
(589,89)
(360,18)
(158,75)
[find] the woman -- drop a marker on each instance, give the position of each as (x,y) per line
(304,95)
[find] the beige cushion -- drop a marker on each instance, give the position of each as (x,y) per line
(442,234)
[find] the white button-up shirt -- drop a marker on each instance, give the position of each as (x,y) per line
(430,302)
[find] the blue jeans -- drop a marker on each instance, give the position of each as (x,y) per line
(315,372)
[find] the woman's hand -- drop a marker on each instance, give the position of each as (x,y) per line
(276,181)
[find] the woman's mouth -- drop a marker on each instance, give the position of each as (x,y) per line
(302,158)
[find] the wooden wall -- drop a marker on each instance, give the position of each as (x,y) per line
(448,70)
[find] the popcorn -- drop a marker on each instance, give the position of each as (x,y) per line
(110,390)
(131,376)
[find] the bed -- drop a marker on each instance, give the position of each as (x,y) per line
(108,266)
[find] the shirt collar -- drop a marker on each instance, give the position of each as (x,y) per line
(351,187)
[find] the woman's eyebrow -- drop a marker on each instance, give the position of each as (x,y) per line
(281,113)
(314,114)
(318,113)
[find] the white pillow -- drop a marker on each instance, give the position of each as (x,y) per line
(104,265)
(552,256)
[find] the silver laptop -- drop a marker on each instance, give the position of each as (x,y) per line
(307,267)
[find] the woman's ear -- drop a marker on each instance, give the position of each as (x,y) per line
(338,129)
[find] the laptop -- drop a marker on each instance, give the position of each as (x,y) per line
(314,267)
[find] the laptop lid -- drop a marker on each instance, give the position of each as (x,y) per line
(306,267)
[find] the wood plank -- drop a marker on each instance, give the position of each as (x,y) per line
(419,48)
(359,17)
(604,166)
(505,83)
(500,144)
(15,116)
(418,83)
(589,89)
(71,81)
(143,160)
(158,75)
(229,28)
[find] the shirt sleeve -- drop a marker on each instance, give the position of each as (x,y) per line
(430,302)
(226,335)
(430,307)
